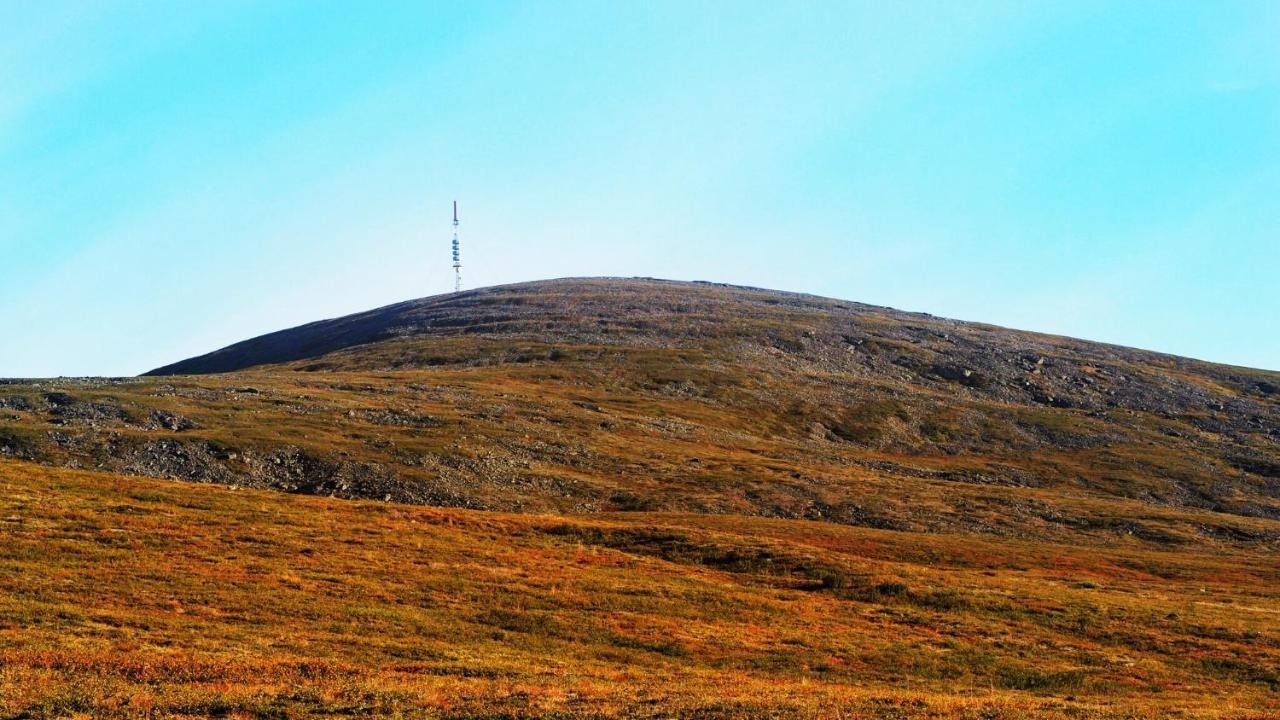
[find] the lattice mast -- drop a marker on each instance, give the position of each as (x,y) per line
(457,257)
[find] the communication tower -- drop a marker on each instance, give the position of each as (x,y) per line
(457,257)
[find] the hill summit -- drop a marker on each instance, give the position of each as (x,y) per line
(588,395)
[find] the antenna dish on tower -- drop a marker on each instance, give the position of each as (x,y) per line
(457,257)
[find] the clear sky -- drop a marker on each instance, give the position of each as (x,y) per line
(176,176)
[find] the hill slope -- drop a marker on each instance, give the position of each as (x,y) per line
(760,504)
(591,395)
(137,598)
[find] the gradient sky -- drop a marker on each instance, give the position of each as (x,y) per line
(177,176)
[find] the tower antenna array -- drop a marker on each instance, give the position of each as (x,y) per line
(457,258)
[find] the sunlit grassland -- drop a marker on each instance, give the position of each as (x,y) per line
(132,597)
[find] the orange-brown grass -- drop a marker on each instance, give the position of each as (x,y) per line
(131,597)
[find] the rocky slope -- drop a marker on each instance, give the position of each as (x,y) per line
(606,394)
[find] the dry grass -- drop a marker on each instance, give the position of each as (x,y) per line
(129,597)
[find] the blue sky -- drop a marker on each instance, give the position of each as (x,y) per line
(176,176)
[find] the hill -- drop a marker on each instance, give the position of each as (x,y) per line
(599,395)
(649,499)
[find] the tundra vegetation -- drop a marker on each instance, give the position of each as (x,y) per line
(608,498)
